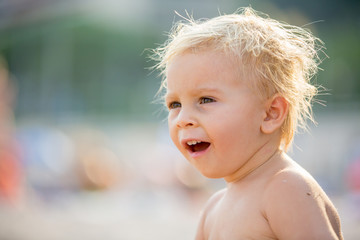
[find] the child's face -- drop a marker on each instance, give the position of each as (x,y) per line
(214,118)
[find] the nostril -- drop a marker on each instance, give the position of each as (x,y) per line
(184,124)
(185,118)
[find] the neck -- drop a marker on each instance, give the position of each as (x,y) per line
(263,155)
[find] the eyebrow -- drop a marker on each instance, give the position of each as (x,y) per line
(195,91)
(207,89)
(168,96)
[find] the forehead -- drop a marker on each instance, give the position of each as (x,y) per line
(201,68)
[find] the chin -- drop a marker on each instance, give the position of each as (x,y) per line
(210,174)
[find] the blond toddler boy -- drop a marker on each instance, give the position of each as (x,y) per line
(237,88)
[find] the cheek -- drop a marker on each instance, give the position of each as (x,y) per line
(173,132)
(238,129)
(173,136)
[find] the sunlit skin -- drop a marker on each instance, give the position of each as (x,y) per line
(226,130)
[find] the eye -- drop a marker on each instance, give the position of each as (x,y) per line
(174,105)
(204,100)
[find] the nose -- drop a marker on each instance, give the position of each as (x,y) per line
(185,119)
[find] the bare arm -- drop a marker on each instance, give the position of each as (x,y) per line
(297,208)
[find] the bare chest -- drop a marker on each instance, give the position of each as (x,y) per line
(237,219)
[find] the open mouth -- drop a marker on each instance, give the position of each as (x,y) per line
(197,146)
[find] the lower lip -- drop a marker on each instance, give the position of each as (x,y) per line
(199,153)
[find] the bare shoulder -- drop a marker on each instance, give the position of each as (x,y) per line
(211,203)
(214,199)
(297,207)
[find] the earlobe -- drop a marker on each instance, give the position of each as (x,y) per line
(276,112)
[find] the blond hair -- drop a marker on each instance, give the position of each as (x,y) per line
(277,57)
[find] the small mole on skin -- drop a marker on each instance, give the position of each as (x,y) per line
(308,193)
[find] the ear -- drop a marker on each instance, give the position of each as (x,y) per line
(276,112)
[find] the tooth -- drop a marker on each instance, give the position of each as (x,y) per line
(193,142)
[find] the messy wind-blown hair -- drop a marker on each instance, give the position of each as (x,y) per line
(273,57)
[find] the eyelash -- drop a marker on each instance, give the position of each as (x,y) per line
(172,105)
(202,100)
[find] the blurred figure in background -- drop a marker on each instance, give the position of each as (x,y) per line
(10,169)
(353,183)
(99,168)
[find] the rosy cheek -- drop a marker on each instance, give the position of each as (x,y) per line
(173,136)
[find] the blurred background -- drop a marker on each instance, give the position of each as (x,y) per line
(84,150)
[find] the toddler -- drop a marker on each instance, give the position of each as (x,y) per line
(237,88)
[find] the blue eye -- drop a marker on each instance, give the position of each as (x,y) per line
(174,105)
(204,100)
